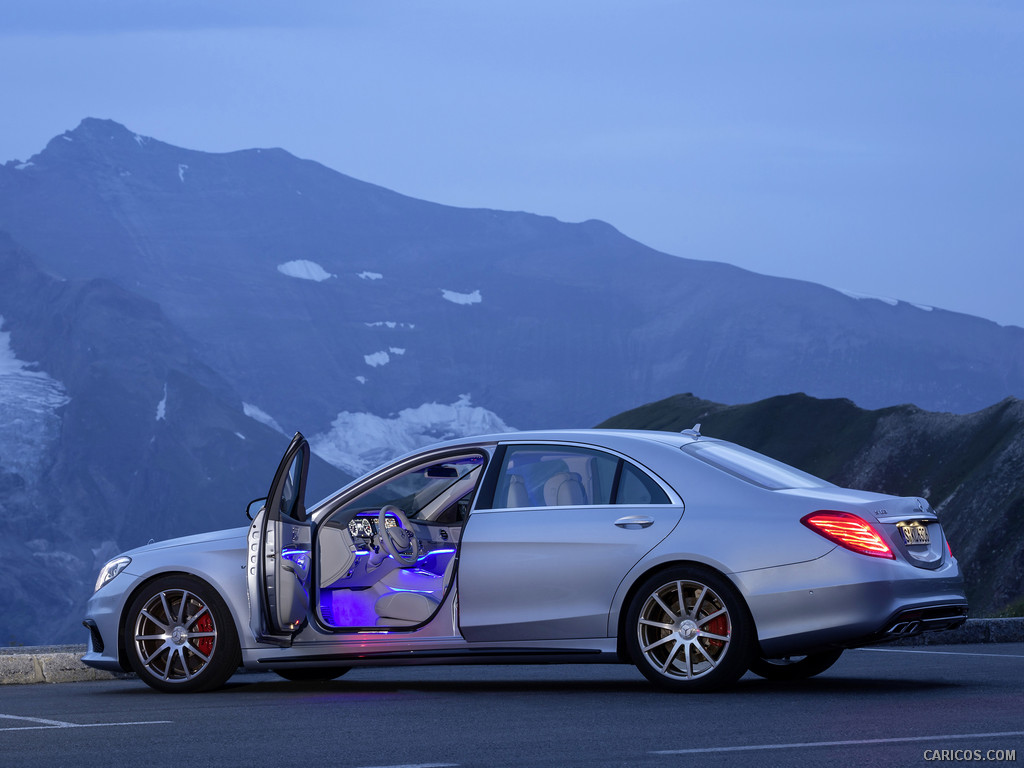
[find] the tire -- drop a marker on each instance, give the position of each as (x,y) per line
(180,637)
(794,667)
(705,646)
(311,674)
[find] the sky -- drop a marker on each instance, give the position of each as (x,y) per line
(872,146)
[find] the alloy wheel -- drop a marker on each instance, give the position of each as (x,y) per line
(175,635)
(684,630)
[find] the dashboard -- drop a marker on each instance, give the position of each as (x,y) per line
(364,526)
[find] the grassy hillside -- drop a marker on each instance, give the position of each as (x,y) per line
(970,467)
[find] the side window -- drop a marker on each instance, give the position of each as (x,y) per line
(289,490)
(635,487)
(554,476)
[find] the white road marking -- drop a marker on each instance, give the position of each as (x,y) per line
(44,724)
(848,743)
(34,720)
(945,653)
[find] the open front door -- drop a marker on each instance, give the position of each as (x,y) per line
(280,552)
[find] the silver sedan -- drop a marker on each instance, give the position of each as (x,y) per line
(693,558)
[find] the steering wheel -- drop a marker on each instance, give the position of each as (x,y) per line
(398,540)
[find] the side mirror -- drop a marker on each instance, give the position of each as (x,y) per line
(248,507)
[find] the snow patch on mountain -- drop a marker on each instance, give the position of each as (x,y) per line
(23,166)
(390,324)
(29,421)
(377,358)
(58,559)
(885,299)
(865,296)
(358,442)
(396,350)
(304,270)
(181,172)
(370,275)
(261,416)
(161,407)
(461,298)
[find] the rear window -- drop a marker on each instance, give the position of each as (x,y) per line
(637,488)
(751,466)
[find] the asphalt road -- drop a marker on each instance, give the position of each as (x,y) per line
(874,708)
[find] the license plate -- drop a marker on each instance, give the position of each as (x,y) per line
(915,533)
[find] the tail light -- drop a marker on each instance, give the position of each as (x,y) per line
(848,531)
(949,549)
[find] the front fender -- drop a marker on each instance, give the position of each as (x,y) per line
(219,563)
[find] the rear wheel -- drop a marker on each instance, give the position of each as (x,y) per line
(688,630)
(311,674)
(795,667)
(180,637)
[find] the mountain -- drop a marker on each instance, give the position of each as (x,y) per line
(111,433)
(968,466)
(314,294)
(170,316)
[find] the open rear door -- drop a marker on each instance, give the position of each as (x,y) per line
(280,552)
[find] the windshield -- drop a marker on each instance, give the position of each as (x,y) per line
(752,466)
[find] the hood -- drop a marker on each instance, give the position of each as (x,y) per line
(199,538)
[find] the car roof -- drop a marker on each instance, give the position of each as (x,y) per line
(609,438)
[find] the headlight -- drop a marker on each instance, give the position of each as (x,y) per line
(110,570)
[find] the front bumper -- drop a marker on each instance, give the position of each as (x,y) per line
(102,619)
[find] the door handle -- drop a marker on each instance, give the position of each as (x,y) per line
(300,567)
(634,522)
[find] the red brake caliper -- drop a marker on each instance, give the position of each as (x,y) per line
(204,624)
(717,626)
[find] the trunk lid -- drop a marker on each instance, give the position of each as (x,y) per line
(908,524)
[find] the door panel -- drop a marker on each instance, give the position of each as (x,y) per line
(280,552)
(546,573)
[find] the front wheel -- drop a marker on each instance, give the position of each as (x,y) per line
(687,630)
(180,637)
(794,667)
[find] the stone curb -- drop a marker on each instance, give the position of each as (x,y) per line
(47,664)
(63,663)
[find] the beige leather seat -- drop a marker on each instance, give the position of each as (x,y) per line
(403,609)
(517,494)
(563,490)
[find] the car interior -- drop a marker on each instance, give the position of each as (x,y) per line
(387,557)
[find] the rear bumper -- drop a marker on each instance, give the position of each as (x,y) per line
(846,600)
(914,621)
